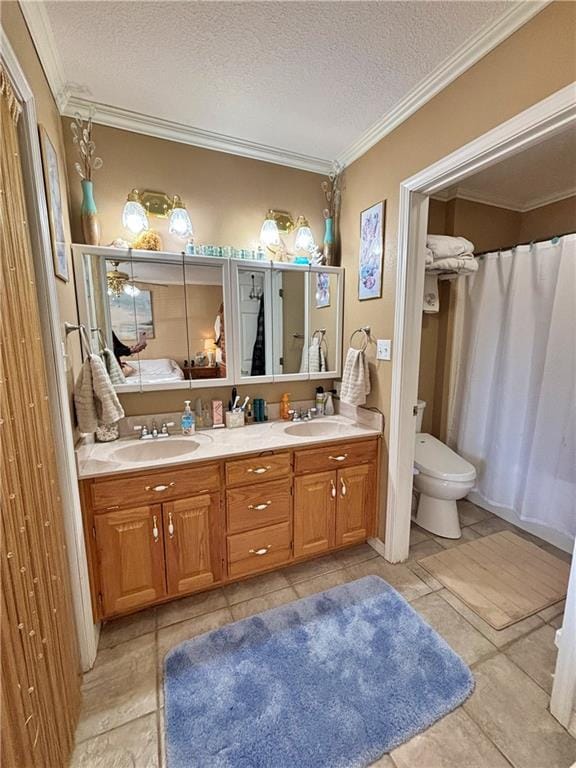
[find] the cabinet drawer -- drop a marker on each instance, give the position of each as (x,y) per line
(335,456)
(258,550)
(154,487)
(257,468)
(258,505)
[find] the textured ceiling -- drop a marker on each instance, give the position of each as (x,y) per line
(528,179)
(308,77)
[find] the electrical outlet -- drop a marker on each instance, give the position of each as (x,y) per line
(383,349)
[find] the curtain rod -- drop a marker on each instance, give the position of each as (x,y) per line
(532,242)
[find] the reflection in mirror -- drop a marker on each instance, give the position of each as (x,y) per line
(205,325)
(254,309)
(289,321)
(323,322)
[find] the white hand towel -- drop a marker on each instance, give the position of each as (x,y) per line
(113,367)
(462,265)
(313,359)
(355,379)
(431,297)
(443,246)
(94,397)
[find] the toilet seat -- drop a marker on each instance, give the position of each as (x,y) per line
(433,458)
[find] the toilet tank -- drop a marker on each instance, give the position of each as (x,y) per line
(420,405)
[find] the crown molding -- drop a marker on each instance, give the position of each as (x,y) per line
(549,199)
(40,30)
(462,59)
(116,117)
(499,202)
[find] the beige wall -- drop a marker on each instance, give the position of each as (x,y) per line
(549,220)
(505,82)
(47,113)
(487,226)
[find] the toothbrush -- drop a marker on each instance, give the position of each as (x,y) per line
(245,403)
(235,403)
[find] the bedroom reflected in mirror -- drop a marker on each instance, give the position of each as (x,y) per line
(205,322)
(254,308)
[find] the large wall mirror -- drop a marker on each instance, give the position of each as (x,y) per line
(163,317)
(325,296)
(289,322)
(254,326)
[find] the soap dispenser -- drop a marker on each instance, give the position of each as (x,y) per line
(187,420)
(285,406)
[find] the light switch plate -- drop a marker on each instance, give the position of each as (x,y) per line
(383,349)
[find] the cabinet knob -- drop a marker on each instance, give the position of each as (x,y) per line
(341,457)
(159,488)
(155,531)
(259,470)
(261,551)
(260,507)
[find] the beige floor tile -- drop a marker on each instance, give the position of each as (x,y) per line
(565,556)
(468,534)
(162,737)
(321,583)
(134,745)
(536,655)
(127,628)
(470,514)
(499,637)
(173,635)
(492,525)
(453,742)
(311,568)
(461,636)
(512,711)
(399,576)
(189,607)
(552,611)
(418,534)
(259,585)
(264,603)
(121,687)
(557,621)
(384,762)
(423,575)
(425,548)
(355,555)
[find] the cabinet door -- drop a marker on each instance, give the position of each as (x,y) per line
(193,532)
(131,558)
(355,499)
(314,510)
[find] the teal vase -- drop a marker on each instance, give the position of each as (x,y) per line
(89,214)
(328,249)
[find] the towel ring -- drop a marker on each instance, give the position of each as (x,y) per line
(366,337)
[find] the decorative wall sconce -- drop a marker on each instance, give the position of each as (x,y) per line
(140,205)
(277,222)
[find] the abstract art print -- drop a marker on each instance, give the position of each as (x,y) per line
(371,249)
(55,209)
(322,290)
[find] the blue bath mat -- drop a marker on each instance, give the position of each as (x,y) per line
(333,680)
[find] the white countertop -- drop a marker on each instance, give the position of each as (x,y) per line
(95,459)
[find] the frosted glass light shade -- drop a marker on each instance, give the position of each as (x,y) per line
(269,234)
(180,224)
(134,217)
(304,238)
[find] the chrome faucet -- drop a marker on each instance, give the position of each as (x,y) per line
(153,433)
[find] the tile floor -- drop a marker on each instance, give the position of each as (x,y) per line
(504,723)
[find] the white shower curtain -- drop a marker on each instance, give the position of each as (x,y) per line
(514,410)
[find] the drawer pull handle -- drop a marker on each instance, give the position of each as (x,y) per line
(343,489)
(341,457)
(261,551)
(155,531)
(170,525)
(159,488)
(260,507)
(332,489)
(259,470)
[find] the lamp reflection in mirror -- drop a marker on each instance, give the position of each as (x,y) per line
(180,224)
(269,234)
(304,237)
(134,217)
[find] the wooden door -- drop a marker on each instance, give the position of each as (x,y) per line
(355,499)
(314,511)
(131,558)
(193,533)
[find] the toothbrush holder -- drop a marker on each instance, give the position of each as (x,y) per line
(234,419)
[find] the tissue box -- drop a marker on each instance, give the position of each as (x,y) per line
(234,419)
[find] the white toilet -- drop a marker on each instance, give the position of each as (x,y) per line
(441,477)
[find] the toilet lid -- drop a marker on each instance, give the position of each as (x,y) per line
(435,459)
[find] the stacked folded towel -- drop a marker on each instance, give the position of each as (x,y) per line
(450,254)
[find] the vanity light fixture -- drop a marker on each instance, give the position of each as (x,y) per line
(277,222)
(140,205)
(304,237)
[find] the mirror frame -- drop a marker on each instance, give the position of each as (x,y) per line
(128,254)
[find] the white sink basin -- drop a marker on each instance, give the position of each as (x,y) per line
(163,448)
(317,428)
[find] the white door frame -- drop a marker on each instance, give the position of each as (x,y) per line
(52,341)
(520,132)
